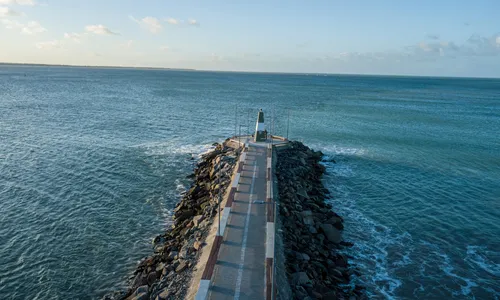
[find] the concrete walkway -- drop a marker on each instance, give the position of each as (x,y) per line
(240,271)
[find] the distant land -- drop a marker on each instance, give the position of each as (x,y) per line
(94,67)
(238,71)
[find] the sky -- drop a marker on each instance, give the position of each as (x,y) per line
(429,38)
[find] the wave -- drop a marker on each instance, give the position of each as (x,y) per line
(480,257)
(333,150)
(176,147)
(394,263)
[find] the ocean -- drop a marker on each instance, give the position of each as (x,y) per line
(93,160)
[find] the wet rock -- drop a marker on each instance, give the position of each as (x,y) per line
(311,230)
(331,233)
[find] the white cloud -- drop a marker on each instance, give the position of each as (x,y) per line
(173,21)
(75,37)
(193,22)
(189,22)
(164,48)
(32,27)
(18,2)
(498,40)
(49,45)
(99,29)
(150,23)
(7,12)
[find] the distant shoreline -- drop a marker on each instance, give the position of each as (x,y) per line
(92,67)
(242,72)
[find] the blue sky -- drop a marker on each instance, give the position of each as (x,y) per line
(443,38)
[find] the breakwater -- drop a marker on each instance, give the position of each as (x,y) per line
(166,274)
(309,236)
(311,232)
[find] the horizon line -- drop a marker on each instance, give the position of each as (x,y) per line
(237,71)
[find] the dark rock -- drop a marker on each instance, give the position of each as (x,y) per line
(141,289)
(151,278)
(316,295)
(183,215)
(300,278)
(331,233)
(346,244)
(181,267)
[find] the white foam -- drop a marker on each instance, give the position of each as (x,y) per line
(173,147)
(179,187)
(480,256)
(330,150)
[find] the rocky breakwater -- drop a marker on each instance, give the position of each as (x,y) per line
(167,273)
(311,230)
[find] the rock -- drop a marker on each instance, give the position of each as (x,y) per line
(181,267)
(160,267)
(197,220)
(171,256)
(163,295)
(347,244)
(143,296)
(336,222)
(316,295)
(140,279)
(184,252)
(203,224)
(159,249)
(302,193)
(183,215)
(330,295)
(197,245)
(331,233)
(307,217)
(341,261)
(300,278)
(143,289)
(152,278)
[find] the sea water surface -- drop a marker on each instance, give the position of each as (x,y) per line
(92,162)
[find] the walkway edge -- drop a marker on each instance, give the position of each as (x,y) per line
(206,278)
(270,228)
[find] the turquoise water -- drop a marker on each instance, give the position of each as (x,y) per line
(92,162)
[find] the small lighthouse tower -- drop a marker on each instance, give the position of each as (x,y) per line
(260,129)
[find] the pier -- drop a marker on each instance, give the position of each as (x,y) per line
(229,240)
(241,260)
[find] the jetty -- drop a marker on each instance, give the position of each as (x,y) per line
(253,225)
(241,260)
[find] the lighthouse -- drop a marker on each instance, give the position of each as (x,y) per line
(260,129)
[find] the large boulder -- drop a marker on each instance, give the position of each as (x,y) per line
(331,233)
